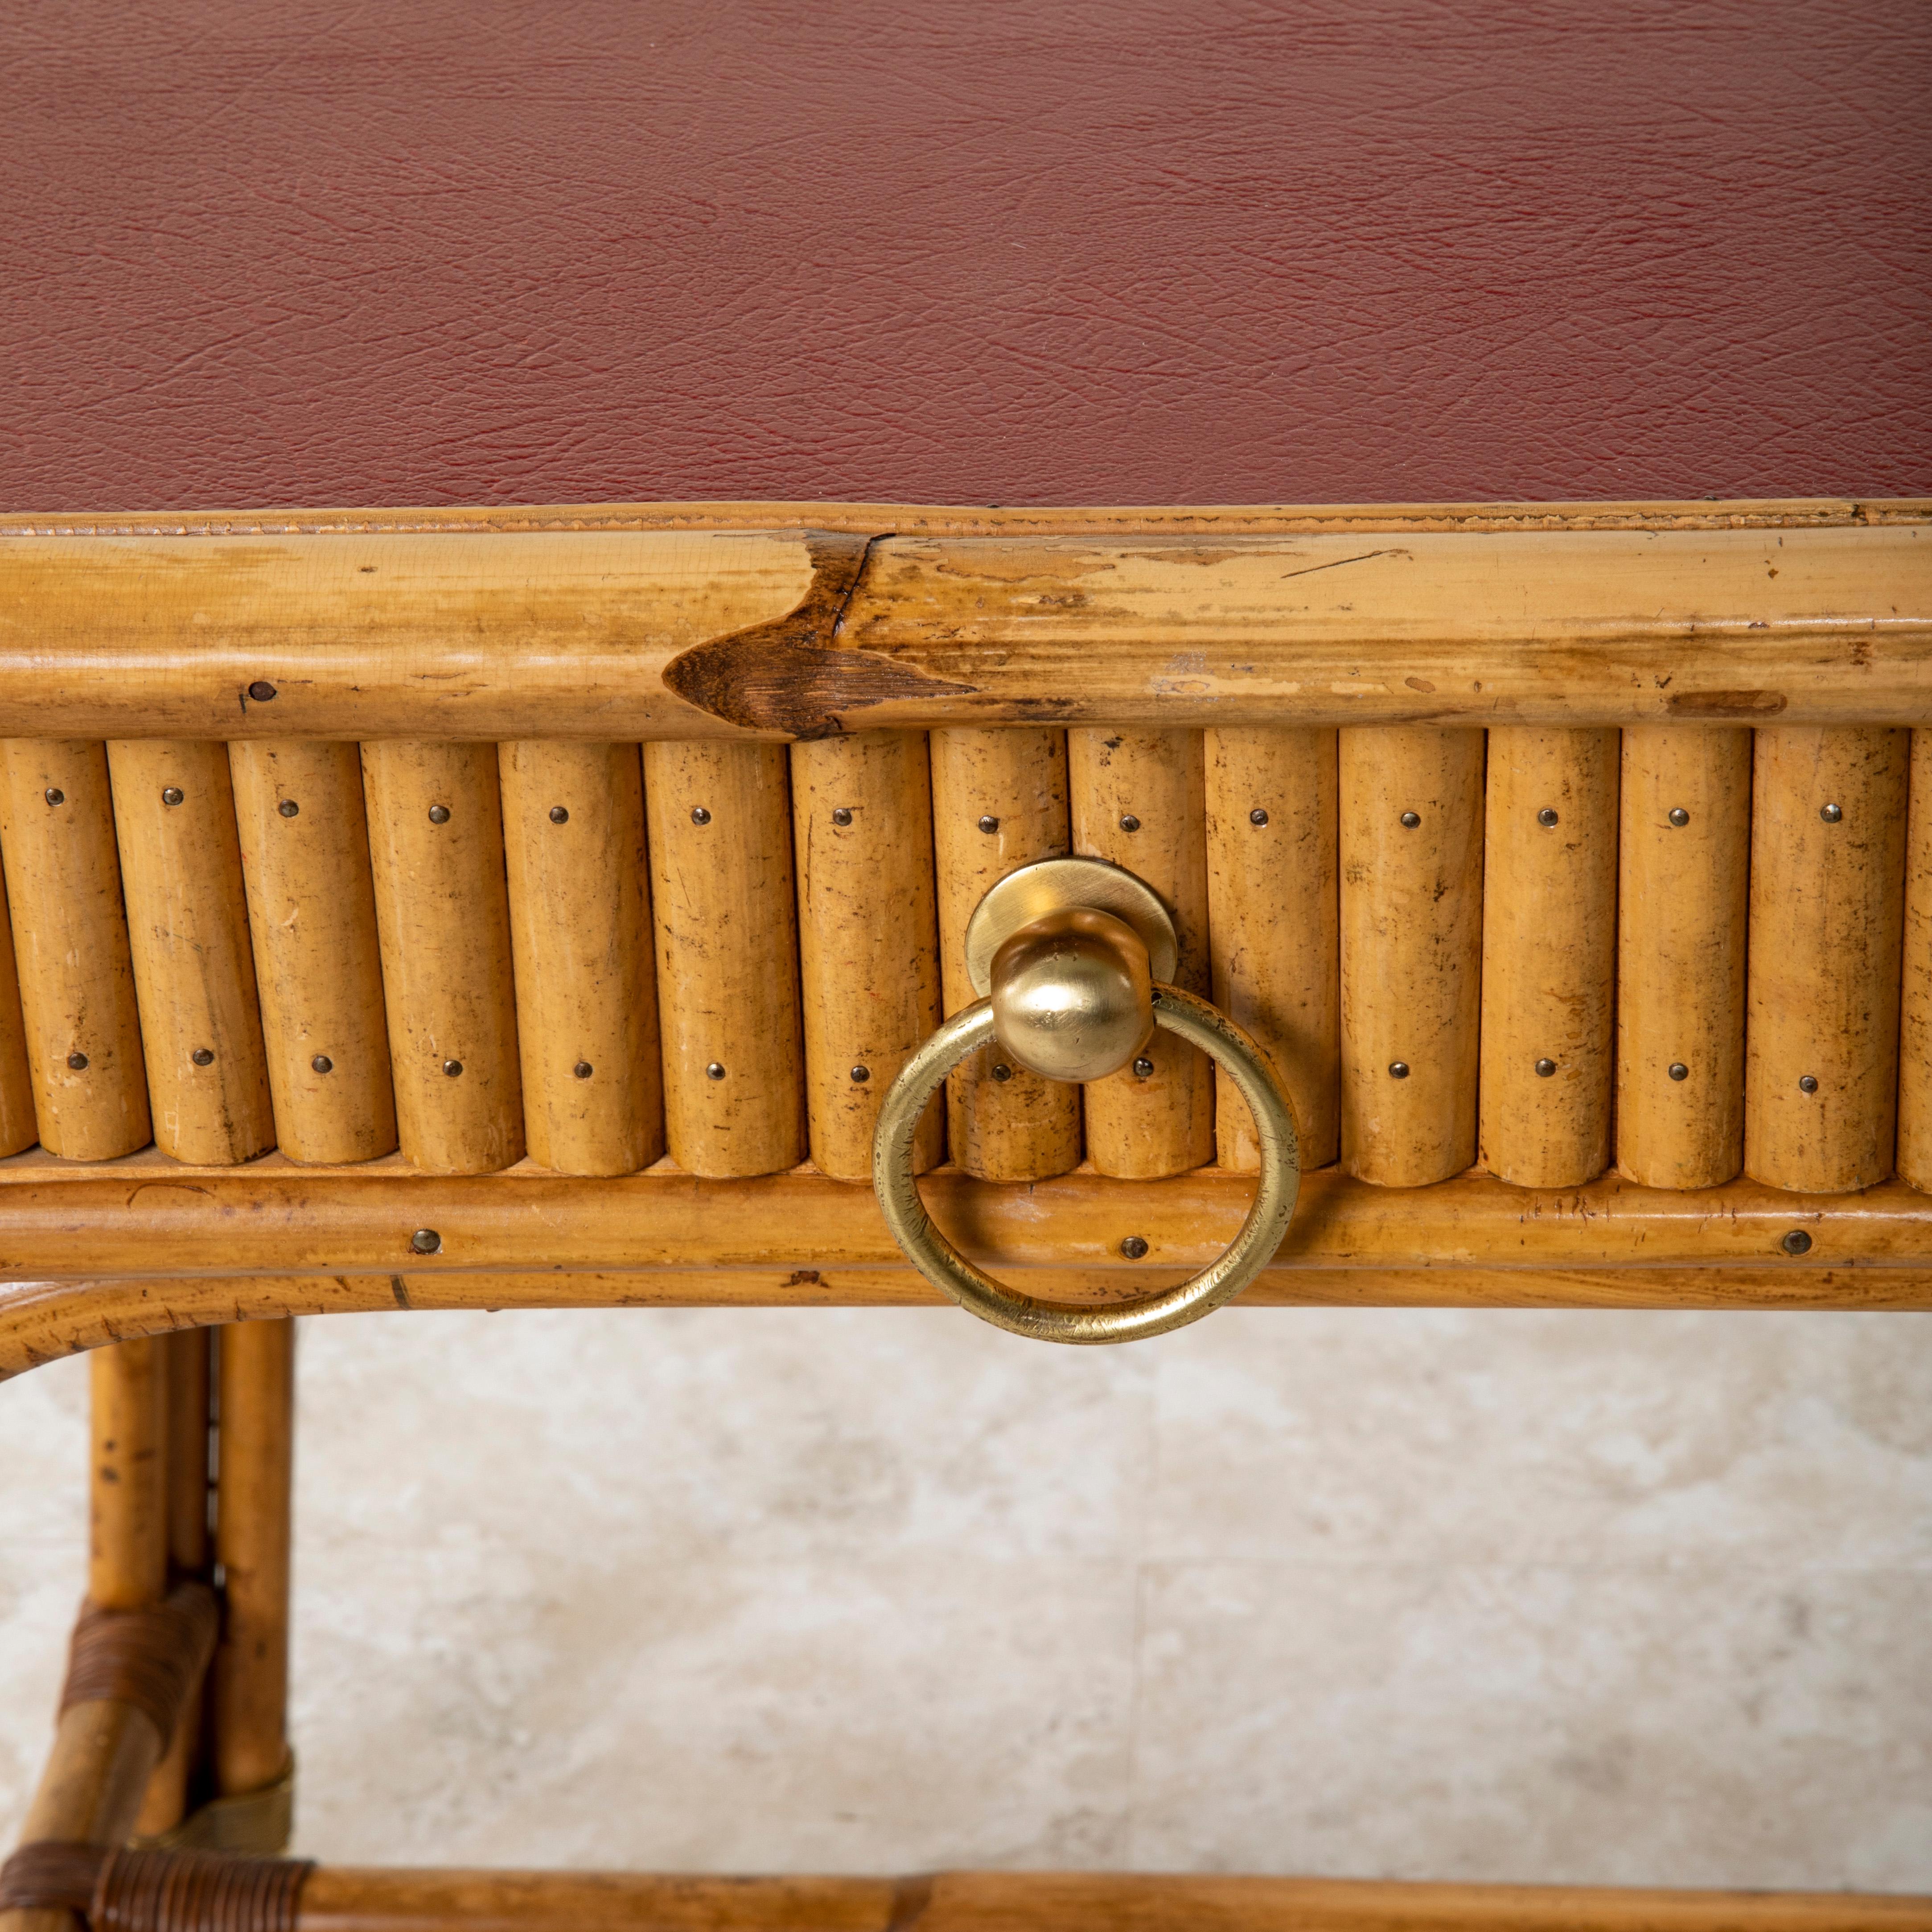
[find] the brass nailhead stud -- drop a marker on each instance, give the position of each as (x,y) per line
(714,1071)
(1798,1242)
(438,814)
(1678,816)
(558,815)
(860,1075)
(1258,817)
(1134,1248)
(1546,816)
(1143,1068)
(1001,1071)
(1678,1071)
(452,1067)
(842,814)
(172,795)
(1410,820)
(54,795)
(1398,1069)
(699,816)
(202,1056)
(261,692)
(1808,1083)
(1545,1068)
(1831,813)
(426,1240)
(989,823)
(322,1063)
(78,1061)
(288,807)
(1128,823)
(583,1069)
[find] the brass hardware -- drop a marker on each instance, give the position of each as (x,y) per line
(251,1824)
(1069,955)
(935,1257)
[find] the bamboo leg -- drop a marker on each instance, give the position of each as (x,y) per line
(1684,863)
(1139,800)
(1411,951)
(586,972)
(1827,910)
(1915,1040)
(252,1539)
(721,894)
(1272,895)
(1550,925)
(435,844)
(70,943)
(862,820)
(188,922)
(312,917)
(18,1128)
(128,1544)
(999,803)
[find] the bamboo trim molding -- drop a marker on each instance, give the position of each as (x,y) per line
(601,624)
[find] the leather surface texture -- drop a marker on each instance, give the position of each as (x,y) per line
(1151,251)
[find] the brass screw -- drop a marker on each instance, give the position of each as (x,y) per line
(261,692)
(54,795)
(860,1075)
(558,815)
(288,807)
(699,816)
(1398,1069)
(202,1056)
(1258,817)
(1128,823)
(452,1068)
(842,814)
(1547,816)
(1678,1071)
(1410,820)
(582,1069)
(1678,816)
(322,1063)
(1808,1083)
(1001,1071)
(78,1061)
(1798,1242)
(173,795)
(1545,1068)
(1831,813)
(989,823)
(438,814)
(1143,1068)
(426,1240)
(1134,1248)
(714,1071)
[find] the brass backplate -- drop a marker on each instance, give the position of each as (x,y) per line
(1051,885)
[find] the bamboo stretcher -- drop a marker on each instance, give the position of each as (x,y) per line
(521,908)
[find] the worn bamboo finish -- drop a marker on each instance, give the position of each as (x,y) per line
(1550,926)
(1175,618)
(250,1674)
(1273,929)
(18,1128)
(127,1512)
(318,962)
(1411,952)
(436,841)
(999,803)
(586,964)
(70,943)
(1915,1029)
(1139,800)
(344,1898)
(1684,871)
(868,938)
(194,973)
(1827,911)
(721,895)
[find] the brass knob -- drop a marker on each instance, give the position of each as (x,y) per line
(1073,995)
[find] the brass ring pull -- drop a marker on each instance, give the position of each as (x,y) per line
(1103,971)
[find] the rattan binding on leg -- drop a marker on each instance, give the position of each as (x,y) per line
(150,1658)
(120,1890)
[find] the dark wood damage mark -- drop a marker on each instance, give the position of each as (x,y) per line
(401,1293)
(789,676)
(1720,704)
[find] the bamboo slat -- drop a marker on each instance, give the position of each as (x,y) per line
(1827,913)
(194,973)
(1550,926)
(250,1674)
(722,894)
(18,1128)
(999,803)
(868,943)
(1685,864)
(585,970)
(127,1512)
(1915,1029)
(1273,927)
(436,827)
(70,943)
(1411,859)
(318,962)
(1139,800)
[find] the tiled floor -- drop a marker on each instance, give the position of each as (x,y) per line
(1618,1598)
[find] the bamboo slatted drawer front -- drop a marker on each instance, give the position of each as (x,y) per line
(1572,869)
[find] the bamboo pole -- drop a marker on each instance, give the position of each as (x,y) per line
(436,844)
(1549,927)
(1827,911)
(999,803)
(128,1512)
(188,925)
(722,894)
(1412,849)
(585,970)
(1139,800)
(70,943)
(1915,1041)
(250,1674)
(1273,883)
(1684,859)
(305,839)
(869,943)
(18,1128)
